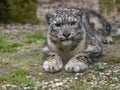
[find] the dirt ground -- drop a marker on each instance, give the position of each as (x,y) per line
(102,75)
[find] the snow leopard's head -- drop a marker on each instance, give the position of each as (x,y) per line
(65,26)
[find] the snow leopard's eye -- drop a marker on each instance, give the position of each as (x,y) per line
(58,24)
(72,23)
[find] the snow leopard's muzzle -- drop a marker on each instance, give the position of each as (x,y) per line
(66,34)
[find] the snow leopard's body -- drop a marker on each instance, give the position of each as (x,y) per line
(75,38)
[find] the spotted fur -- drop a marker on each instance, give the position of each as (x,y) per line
(75,38)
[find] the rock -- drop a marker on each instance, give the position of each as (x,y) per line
(59,84)
(77,74)
(40,74)
(65,81)
(56,80)
(46,83)
(75,78)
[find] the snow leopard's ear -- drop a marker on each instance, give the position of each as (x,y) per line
(77,11)
(48,16)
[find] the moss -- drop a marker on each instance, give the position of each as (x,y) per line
(111,59)
(18,11)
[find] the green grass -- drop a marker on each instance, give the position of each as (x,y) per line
(1,88)
(111,59)
(35,36)
(37,20)
(2,78)
(118,76)
(19,77)
(116,38)
(8,47)
(11,47)
(8,44)
(22,11)
(99,66)
(15,77)
(2,42)
(66,74)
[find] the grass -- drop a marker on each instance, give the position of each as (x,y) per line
(28,61)
(117,38)
(19,77)
(11,47)
(66,74)
(2,79)
(11,43)
(118,76)
(8,47)
(37,20)
(99,66)
(35,36)
(111,59)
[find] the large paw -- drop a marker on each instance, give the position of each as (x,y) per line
(108,40)
(76,64)
(53,63)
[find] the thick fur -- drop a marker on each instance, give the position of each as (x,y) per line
(74,39)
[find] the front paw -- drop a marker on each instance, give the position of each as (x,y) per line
(76,64)
(108,40)
(53,63)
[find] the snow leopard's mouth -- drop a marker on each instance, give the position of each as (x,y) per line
(66,42)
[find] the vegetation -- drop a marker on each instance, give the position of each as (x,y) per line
(21,59)
(118,76)
(109,7)
(10,46)
(18,11)
(117,38)
(99,66)
(19,76)
(24,67)
(35,36)
(111,59)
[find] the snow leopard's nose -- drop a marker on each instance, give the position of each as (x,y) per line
(66,34)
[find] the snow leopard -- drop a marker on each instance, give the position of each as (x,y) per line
(74,40)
